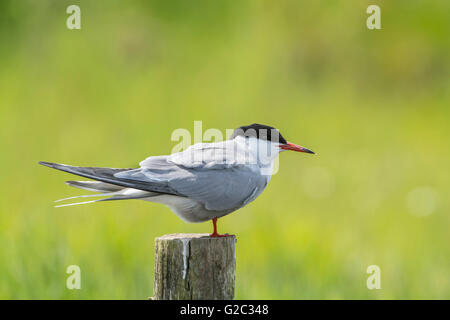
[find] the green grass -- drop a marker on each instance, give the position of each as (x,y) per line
(374,105)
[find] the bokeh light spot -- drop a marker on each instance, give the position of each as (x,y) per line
(421,201)
(318,182)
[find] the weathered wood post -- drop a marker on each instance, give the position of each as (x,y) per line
(194,267)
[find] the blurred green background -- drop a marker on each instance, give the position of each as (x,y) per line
(374,104)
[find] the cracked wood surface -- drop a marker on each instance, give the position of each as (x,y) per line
(194,267)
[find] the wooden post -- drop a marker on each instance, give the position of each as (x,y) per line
(194,267)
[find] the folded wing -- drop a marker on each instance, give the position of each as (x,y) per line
(210,178)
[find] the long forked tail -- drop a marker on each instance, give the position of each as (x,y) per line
(107,184)
(96,186)
(121,194)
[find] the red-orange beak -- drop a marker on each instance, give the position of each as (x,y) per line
(294,147)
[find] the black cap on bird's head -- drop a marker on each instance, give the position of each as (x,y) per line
(263,132)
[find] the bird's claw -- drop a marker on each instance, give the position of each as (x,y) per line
(216,235)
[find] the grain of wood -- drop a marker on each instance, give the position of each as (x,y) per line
(194,267)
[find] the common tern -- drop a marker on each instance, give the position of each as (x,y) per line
(204,182)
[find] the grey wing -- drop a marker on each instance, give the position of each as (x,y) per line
(158,172)
(110,176)
(219,188)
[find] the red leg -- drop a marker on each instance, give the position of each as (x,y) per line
(215,234)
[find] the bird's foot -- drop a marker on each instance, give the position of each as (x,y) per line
(216,235)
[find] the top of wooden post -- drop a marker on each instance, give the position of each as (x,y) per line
(175,236)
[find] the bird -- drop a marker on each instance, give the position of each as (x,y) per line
(204,182)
